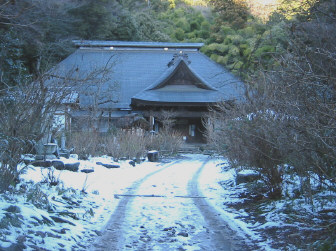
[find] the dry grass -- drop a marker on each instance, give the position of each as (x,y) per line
(124,144)
(166,141)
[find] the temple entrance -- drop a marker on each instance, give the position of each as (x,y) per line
(192,129)
(188,121)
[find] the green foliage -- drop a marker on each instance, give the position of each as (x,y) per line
(12,66)
(232,12)
(158,5)
(245,50)
(292,9)
(196,2)
(125,27)
(111,20)
(179,34)
(55,25)
(34,40)
(184,23)
(148,29)
(91,20)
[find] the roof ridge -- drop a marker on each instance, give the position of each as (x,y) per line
(136,44)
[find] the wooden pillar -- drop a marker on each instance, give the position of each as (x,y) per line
(151,123)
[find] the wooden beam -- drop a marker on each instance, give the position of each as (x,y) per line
(179,114)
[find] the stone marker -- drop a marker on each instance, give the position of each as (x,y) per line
(153,156)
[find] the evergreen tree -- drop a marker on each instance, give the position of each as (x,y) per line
(232,12)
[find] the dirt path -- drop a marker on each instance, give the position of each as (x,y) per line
(164,210)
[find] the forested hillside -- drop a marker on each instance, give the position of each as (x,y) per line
(241,35)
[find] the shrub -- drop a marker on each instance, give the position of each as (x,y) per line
(85,144)
(37,197)
(7,177)
(26,114)
(166,141)
(250,140)
(289,116)
(119,144)
(125,144)
(50,178)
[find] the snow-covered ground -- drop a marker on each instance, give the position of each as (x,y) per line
(291,223)
(71,215)
(83,201)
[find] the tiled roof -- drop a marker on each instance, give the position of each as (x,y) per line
(134,71)
(179,62)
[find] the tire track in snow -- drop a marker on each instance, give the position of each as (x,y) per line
(110,239)
(168,220)
(222,236)
(215,234)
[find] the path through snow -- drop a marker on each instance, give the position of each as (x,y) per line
(165,210)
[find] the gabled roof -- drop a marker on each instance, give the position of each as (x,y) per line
(142,71)
(171,87)
(177,65)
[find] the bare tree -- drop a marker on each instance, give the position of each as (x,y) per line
(290,116)
(167,140)
(168,119)
(248,137)
(98,93)
(290,119)
(27,111)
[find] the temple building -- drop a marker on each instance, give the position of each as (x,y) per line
(129,84)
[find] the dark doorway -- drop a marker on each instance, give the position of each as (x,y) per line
(192,129)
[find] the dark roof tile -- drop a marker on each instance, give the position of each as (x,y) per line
(134,71)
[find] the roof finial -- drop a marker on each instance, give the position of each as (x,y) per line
(176,56)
